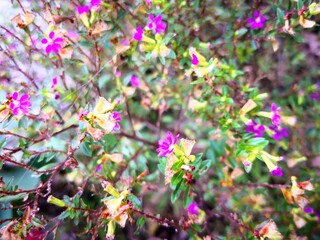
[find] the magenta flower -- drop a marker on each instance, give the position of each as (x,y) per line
(116,117)
(277,172)
(257,21)
(253,127)
(138,34)
(279,132)
(194,60)
(156,24)
(166,146)
(315,96)
(308,209)
(275,118)
(56,96)
(95,4)
(99,168)
(83,9)
(193,208)
(21,104)
(54,82)
(148,2)
(53,44)
(135,81)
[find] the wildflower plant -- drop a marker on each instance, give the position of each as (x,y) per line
(159,119)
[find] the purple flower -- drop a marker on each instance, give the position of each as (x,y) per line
(193,209)
(315,96)
(116,117)
(138,34)
(275,118)
(54,82)
(99,168)
(194,60)
(135,81)
(257,21)
(56,96)
(21,104)
(277,172)
(166,146)
(53,44)
(279,132)
(83,9)
(318,85)
(254,127)
(95,4)
(308,209)
(156,24)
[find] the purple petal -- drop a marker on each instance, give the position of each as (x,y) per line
(44,41)
(15,111)
(24,98)
(51,35)
(48,49)
(15,96)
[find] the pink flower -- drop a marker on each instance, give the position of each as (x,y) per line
(138,34)
(279,133)
(257,21)
(54,82)
(166,146)
(254,127)
(95,4)
(275,118)
(125,42)
(73,35)
(21,104)
(135,81)
(83,9)
(156,24)
(99,168)
(56,96)
(277,172)
(53,44)
(116,117)
(148,2)
(193,208)
(194,60)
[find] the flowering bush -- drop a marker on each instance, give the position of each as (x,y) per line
(159,119)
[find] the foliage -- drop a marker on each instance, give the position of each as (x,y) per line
(169,119)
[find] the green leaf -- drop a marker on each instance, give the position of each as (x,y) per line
(109,142)
(176,178)
(300,4)
(162,165)
(196,227)
(85,148)
(135,201)
(64,215)
(177,165)
(12,198)
(280,16)
(3,142)
(85,44)
(187,199)
(172,55)
(200,80)
(162,60)
(176,193)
